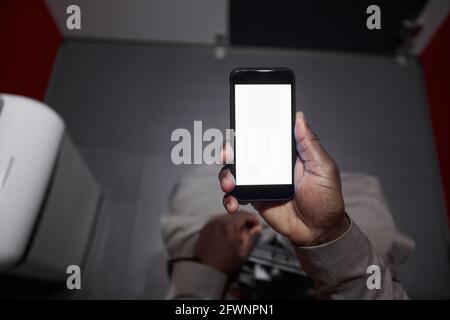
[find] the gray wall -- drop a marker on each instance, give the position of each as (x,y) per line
(122,101)
(180,21)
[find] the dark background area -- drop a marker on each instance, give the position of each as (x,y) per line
(320,24)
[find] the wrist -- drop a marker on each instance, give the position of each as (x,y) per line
(213,264)
(333,232)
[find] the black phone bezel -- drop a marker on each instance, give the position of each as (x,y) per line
(266,75)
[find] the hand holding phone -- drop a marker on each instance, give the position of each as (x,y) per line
(316,214)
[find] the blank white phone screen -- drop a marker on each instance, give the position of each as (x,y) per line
(263,133)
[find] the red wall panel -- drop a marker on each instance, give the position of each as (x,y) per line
(436,66)
(29,42)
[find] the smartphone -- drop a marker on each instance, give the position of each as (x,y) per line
(262,104)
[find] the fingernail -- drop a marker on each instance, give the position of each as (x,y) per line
(223,181)
(226,202)
(302,117)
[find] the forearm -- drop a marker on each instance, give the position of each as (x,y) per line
(339,269)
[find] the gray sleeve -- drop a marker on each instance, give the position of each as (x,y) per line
(193,280)
(339,269)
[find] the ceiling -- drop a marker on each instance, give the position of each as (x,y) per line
(319,24)
(180,21)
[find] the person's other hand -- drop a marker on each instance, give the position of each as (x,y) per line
(226,241)
(316,215)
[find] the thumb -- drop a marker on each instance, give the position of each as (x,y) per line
(308,146)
